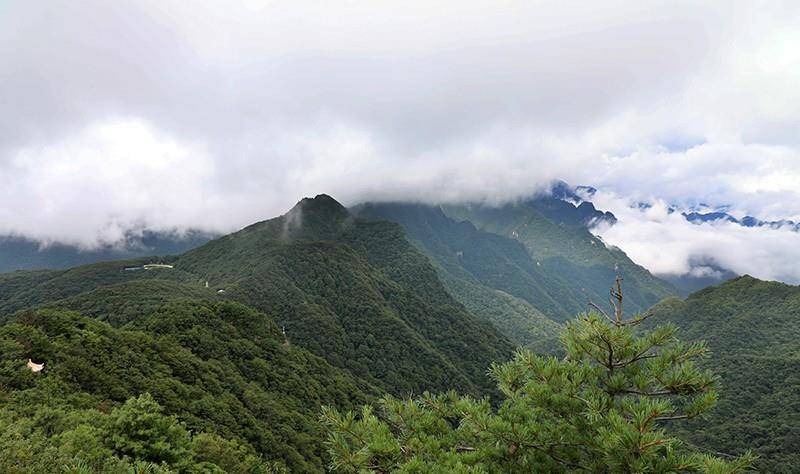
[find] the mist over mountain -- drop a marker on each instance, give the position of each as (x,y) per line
(296,108)
(279,236)
(18,253)
(325,305)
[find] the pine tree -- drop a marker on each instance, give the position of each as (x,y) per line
(604,407)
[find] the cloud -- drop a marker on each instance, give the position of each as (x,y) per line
(666,243)
(119,175)
(164,115)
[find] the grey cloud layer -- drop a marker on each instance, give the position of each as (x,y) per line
(164,114)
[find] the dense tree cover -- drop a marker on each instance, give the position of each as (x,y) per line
(752,328)
(354,292)
(357,293)
(121,303)
(229,386)
(603,408)
(26,289)
(492,275)
(362,296)
(133,437)
(574,263)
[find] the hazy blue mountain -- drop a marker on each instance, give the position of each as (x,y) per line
(564,204)
(19,253)
(747,221)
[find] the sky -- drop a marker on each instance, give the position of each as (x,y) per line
(166,114)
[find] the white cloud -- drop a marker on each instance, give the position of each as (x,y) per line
(118,175)
(246,107)
(666,243)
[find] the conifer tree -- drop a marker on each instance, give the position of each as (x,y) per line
(604,407)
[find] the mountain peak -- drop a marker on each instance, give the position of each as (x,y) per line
(320,203)
(317,217)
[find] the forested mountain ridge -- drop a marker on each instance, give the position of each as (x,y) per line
(357,293)
(352,291)
(492,275)
(233,382)
(753,329)
(576,264)
(245,401)
(366,307)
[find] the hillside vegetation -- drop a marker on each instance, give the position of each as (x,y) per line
(602,408)
(222,370)
(492,275)
(752,328)
(574,265)
(222,360)
(357,293)
(352,291)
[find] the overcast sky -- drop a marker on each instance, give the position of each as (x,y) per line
(172,114)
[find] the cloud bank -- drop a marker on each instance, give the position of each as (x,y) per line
(666,243)
(167,115)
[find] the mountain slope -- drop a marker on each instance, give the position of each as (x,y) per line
(355,292)
(753,329)
(222,368)
(576,266)
(27,288)
(491,275)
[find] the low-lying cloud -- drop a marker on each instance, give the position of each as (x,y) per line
(666,243)
(167,115)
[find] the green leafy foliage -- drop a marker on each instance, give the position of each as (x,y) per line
(134,437)
(752,328)
(603,408)
(216,368)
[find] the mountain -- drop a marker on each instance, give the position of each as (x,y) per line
(563,203)
(752,328)
(249,400)
(492,275)
(575,266)
(238,343)
(747,221)
(352,291)
(355,292)
(220,359)
(19,253)
(703,273)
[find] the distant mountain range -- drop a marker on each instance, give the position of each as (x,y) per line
(747,221)
(561,205)
(19,253)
